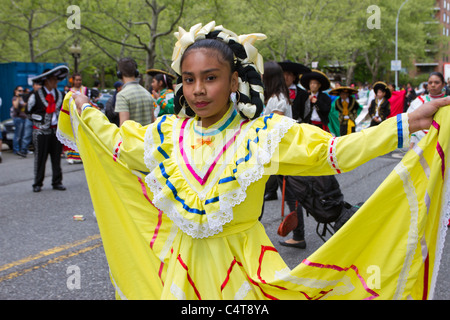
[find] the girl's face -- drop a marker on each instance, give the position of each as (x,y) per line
(77,81)
(314,85)
(380,94)
(157,85)
(435,85)
(207,84)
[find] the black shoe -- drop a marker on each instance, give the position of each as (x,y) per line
(37,189)
(300,244)
(23,155)
(269,197)
(59,187)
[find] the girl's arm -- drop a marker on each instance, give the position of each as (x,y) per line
(124,143)
(307,150)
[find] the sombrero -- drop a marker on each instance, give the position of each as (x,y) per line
(315,75)
(154,72)
(296,68)
(60,72)
(383,86)
(337,91)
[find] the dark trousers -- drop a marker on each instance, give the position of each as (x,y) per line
(45,145)
(291,199)
(272,185)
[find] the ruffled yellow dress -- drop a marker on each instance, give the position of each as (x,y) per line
(178,206)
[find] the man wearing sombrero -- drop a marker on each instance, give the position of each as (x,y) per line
(347,108)
(380,107)
(317,107)
(292,72)
(44,106)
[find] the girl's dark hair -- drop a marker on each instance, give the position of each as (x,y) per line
(166,80)
(230,52)
(438,74)
(274,83)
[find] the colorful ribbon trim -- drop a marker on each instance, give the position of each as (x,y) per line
(439,149)
(400,131)
(203,180)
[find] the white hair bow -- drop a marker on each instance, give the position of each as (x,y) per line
(197,32)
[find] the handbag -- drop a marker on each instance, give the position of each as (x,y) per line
(290,222)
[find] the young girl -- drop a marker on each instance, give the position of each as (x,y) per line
(380,108)
(162,93)
(276,93)
(436,90)
(73,157)
(178,201)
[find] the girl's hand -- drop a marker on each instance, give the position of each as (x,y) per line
(422,117)
(80,100)
(155,94)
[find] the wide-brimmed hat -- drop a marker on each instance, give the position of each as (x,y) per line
(315,75)
(383,86)
(154,72)
(294,67)
(337,91)
(60,72)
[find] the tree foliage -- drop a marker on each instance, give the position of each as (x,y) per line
(329,32)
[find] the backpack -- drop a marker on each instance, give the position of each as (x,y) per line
(347,212)
(320,196)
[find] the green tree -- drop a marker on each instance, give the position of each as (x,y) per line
(29,30)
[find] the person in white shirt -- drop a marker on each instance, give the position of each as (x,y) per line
(276,93)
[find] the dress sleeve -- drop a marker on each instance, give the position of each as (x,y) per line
(308,151)
(124,143)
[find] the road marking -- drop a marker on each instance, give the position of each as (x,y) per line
(50,252)
(19,273)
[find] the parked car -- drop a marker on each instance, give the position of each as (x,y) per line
(101,103)
(7,127)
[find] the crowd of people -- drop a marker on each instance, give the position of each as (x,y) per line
(130,101)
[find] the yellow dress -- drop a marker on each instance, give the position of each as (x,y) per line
(178,206)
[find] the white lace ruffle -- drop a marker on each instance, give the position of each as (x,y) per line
(66,140)
(214,222)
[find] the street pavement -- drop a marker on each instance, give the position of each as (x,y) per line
(47,255)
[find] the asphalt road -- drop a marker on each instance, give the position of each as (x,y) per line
(47,255)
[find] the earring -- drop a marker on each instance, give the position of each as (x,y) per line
(238,96)
(182,102)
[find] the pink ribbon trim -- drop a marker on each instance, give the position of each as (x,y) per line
(203,180)
(340,269)
(439,149)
